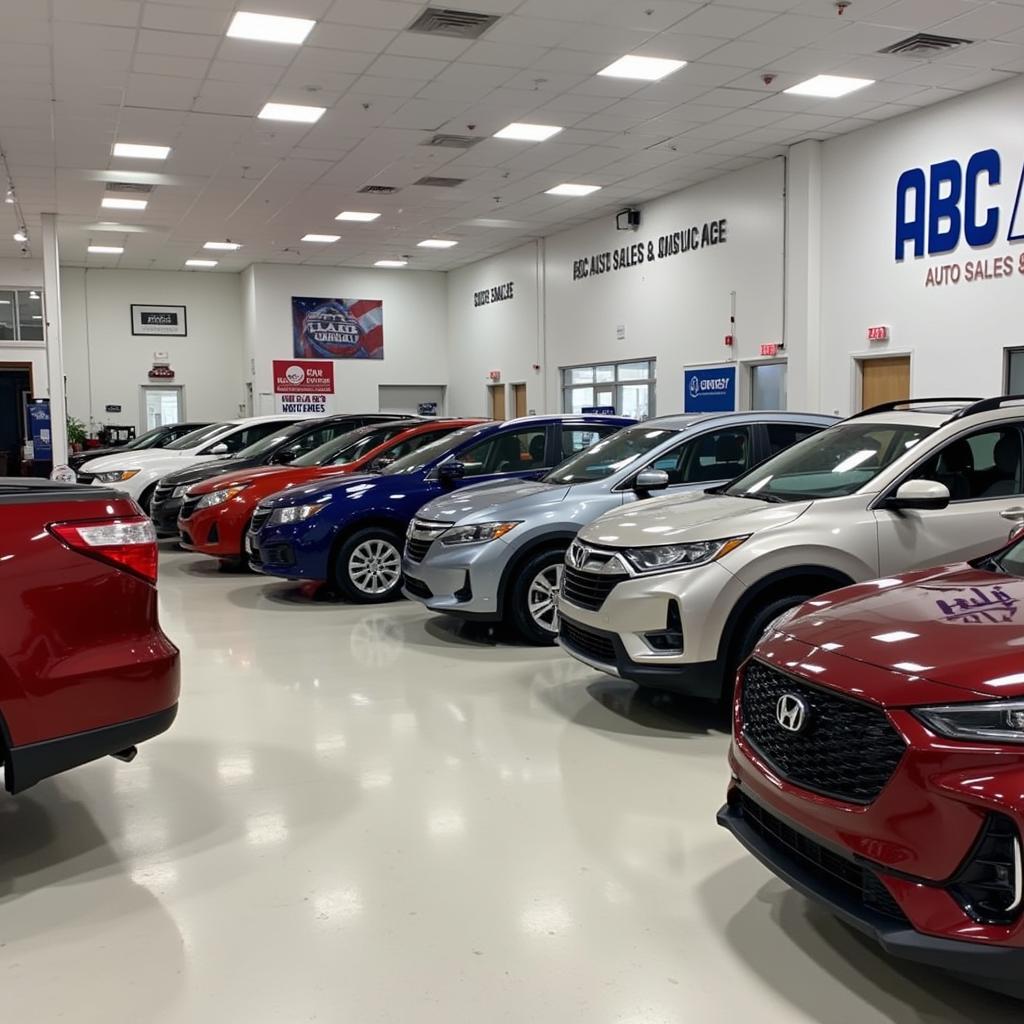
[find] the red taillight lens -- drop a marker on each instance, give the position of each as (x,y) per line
(128,544)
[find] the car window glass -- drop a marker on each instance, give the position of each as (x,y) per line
(512,451)
(983,465)
(150,439)
(248,435)
(365,443)
(197,437)
(609,455)
(785,435)
(411,444)
(716,455)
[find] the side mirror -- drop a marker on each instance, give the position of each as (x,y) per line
(284,456)
(648,480)
(379,465)
(219,449)
(919,495)
(451,472)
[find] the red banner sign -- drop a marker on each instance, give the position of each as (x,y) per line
(303,377)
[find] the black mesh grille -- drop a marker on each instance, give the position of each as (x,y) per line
(861,883)
(847,749)
(588,589)
(162,492)
(86,478)
(418,588)
(586,642)
(188,507)
(259,517)
(416,550)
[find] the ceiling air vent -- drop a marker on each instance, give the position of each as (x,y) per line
(924,45)
(129,188)
(454,141)
(378,190)
(440,21)
(432,182)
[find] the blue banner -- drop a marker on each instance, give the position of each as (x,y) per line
(39,421)
(711,390)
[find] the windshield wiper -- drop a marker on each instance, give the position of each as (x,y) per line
(773,499)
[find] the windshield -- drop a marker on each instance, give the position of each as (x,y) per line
(832,464)
(1010,561)
(609,456)
(148,439)
(348,447)
(271,441)
(197,437)
(429,452)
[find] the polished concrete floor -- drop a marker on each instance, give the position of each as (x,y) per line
(368,815)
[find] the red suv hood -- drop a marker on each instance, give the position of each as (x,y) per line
(955,625)
(281,476)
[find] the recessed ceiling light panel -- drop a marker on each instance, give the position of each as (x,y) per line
(200,263)
(437,243)
(139,152)
(270,28)
(225,246)
(391,263)
(362,217)
(326,239)
(829,87)
(291,112)
(109,250)
(642,69)
(114,203)
(527,132)
(568,189)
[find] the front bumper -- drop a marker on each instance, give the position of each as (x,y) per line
(291,552)
(214,531)
(462,580)
(165,516)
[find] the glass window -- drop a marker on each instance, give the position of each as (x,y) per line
(197,437)
(626,387)
(985,465)
(609,455)
(836,462)
(785,435)
(8,314)
(243,438)
(411,444)
(577,439)
(716,455)
(1014,366)
(604,374)
(512,451)
(635,371)
(30,315)
(634,401)
(438,447)
(580,375)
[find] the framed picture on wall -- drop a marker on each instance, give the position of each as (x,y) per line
(165,320)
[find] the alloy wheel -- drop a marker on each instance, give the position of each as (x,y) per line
(375,567)
(540,598)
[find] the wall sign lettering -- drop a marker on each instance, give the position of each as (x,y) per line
(498,293)
(303,376)
(166,320)
(676,243)
(711,390)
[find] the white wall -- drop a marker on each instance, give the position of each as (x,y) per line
(415,327)
(954,333)
(106,364)
(501,335)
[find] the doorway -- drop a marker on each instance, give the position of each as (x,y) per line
(161,405)
(768,386)
(518,400)
(496,401)
(411,399)
(884,380)
(15,391)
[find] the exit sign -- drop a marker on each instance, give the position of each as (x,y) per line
(770,350)
(879,333)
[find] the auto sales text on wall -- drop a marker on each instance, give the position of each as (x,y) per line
(712,232)
(499,293)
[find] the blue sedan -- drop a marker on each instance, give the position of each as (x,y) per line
(349,532)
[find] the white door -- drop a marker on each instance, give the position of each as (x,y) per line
(162,405)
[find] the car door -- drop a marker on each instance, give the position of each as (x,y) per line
(523,453)
(983,471)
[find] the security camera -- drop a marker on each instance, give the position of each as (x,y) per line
(768,77)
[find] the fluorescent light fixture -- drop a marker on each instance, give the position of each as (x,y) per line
(356,215)
(326,239)
(110,250)
(113,203)
(437,243)
(391,263)
(200,263)
(226,246)
(527,132)
(138,152)
(829,87)
(643,69)
(291,112)
(20,236)
(37,316)
(568,189)
(270,28)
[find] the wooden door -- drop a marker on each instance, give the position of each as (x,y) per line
(497,396)
(518,400)
(884,380)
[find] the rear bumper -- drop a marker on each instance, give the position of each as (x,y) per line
(998,967)
(33,762)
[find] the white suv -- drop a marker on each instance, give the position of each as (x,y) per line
(674,592)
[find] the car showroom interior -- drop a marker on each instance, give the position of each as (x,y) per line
(512,510)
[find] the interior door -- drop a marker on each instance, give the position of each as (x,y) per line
(496,401)
(518,400)
(884,380)
(162,405)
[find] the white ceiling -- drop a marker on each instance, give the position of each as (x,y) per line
(78,75)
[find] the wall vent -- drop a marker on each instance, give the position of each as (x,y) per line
(454,141)
(378,190)
(924,45)
(440,21)
(432,182)
(129,188)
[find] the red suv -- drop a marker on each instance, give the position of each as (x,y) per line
(878,762)
(85,669)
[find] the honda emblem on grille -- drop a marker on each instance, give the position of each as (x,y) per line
(792,713)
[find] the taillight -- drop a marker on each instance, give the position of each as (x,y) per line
(128,544)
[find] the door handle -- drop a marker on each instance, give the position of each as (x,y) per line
(1015,513)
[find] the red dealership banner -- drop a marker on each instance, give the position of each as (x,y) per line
(303,376)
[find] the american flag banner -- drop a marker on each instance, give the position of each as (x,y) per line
(337,328)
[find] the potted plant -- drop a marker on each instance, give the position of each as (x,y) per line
(76,434)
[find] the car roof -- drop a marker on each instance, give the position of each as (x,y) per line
(280,417)
(680,421)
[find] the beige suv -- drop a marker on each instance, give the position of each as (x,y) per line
(674,592)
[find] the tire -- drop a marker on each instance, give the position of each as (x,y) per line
(531,599)
(146,498)
(368,566)
(751,631)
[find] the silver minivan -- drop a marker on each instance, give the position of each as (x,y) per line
(495,552)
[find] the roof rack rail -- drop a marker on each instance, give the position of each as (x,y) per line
(984,405)
(907,402)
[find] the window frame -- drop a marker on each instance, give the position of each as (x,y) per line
(616,385)
(16,324)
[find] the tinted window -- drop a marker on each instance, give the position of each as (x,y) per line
(512,451)
(366,443)
(609,455)
(412,444)
(431,452)
(150,439)
(243,438)
(197,437)
(716,455)
(785,435)
(985,465)
(579,439)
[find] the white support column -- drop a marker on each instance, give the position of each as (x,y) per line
(54,339)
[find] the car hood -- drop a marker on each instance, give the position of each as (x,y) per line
(205,470)
(683,518)
(281,476)
(482,501)
(351,487)
(956,625)
(130,460)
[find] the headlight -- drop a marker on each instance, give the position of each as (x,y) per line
(481,533)
(295,513)
(179,491)
(680,556)
(997,722)
(116,476)
(219,497)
